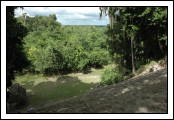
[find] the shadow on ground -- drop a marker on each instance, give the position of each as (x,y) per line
(55,90)
(144,94)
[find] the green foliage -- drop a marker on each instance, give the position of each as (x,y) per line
(136,34)
(52,48)
(90,42)
(83,65)
(85,45)
(139,64)
(95,60)
(16,59)
(43,44)
(111,76)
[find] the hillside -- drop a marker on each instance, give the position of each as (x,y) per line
(142,94)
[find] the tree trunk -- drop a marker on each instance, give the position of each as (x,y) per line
(160,46)
(132,54)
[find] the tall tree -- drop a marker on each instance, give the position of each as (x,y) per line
(16,59)
(136,34)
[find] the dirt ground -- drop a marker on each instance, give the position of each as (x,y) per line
(142,94)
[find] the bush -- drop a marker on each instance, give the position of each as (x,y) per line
(83,65)
(111,76)
(139,64)
(163,62)
(95,60)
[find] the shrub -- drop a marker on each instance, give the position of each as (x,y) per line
(83,65)
(111,76)
(139,64)
(95,60)
(99,58)
(163,62)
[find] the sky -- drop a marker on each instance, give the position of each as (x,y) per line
(68,15)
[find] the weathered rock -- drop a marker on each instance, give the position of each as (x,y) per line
(102,99)
(62,110)
(18,111)
(105,111)
(17,94)
(31,110)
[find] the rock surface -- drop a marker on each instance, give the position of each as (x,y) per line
(142,94)
(17,94)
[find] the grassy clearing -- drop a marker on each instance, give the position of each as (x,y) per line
(43,90)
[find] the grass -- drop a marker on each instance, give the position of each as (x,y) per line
(43,90)
(63,88)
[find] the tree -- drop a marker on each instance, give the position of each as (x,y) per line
(16,59)
(44,43)
(136,34)
(53,48)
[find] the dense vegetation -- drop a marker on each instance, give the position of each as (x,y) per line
(135,36)
(53,48)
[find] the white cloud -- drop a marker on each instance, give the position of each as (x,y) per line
(65,15)
(82,10)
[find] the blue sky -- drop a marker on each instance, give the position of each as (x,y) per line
(68,15)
